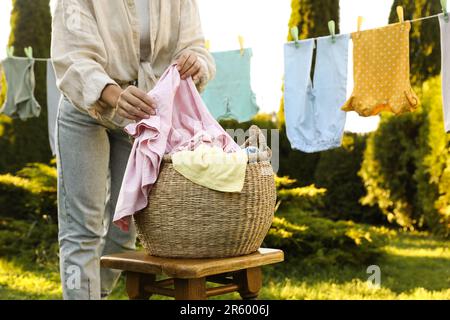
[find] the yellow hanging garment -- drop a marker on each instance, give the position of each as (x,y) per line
(381,71)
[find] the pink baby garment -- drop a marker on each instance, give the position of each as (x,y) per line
(182,122)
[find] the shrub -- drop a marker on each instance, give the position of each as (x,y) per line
(29,195)
(406,166)
(316,242)
(308,199)
(35,241)
(299,231)
(389,166)
(433,163)
(337,172)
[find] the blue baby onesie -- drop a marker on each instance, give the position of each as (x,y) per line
(314,119)
(230,95)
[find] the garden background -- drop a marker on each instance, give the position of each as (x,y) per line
(383,198)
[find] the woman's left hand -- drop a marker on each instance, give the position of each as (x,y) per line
(189,65)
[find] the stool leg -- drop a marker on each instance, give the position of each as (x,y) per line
(249,282)
(135,285)
(190,289)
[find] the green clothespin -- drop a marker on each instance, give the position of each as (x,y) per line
(332,28)
(28,52)
(444,9)
(294,34)
(9,51)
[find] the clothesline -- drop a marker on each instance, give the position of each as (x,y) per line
(412,21)
(315,38)
(26,58)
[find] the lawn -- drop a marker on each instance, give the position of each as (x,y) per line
(413,266)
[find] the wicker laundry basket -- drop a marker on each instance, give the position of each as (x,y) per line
(186,220)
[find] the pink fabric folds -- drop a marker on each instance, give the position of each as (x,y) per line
(182,122)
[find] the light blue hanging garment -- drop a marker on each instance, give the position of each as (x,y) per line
(314,119)
(229,95)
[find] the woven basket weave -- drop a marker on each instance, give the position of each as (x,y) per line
(186,220)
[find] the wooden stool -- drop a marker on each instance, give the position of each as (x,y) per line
(188,277)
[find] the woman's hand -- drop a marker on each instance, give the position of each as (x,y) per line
(189,65)
(131,103)
(135,104)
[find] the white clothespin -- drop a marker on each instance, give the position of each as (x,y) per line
(294,35)
(10,51)
(444,9)
(241,44)
(28,52)
(332,28)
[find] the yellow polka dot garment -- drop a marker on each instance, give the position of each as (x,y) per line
(381,71)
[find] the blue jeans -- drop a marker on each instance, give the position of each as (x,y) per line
(91,161)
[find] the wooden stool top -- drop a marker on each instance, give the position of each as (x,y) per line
(140,262)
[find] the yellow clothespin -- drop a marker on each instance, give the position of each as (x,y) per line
(401,14)
(28,52)
(208,45)
(360,22)
(294,35)
(10,51)
(241,44)
(444,9)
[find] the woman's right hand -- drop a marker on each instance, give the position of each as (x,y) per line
(135,104)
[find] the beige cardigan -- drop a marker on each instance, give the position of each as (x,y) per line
(97,42)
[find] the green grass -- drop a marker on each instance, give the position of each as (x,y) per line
(414,266)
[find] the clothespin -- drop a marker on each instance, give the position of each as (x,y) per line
(401,14)
(9,51)
(444,9)
(28,52)
(208,45)
(360,22)
(294,34)
(332,28)
(241,44)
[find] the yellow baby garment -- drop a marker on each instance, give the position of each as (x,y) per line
(381,71)
(212,168)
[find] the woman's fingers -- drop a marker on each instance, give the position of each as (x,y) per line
(182,61)
(138,103)
(121,112)
(193,70)
(188,63)
(149,101)
(132,112)
(135,104)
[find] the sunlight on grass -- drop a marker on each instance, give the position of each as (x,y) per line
(353,289)
(17,283)
(414,266)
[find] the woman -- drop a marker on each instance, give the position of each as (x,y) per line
(107,54)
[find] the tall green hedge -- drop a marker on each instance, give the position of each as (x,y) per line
(433,162)
(406,167)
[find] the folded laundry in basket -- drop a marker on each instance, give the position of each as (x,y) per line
(181,121)
(212,168)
